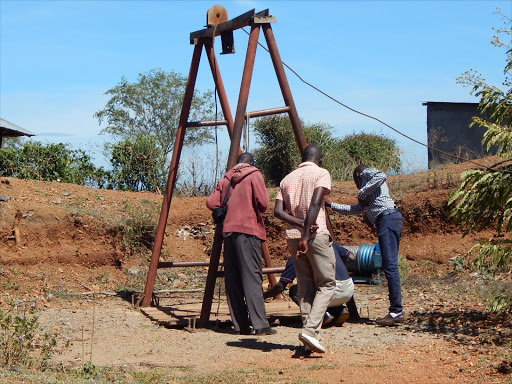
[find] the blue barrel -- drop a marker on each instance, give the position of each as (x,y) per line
(369,258)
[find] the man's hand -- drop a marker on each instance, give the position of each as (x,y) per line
(303,246)
(312,228)
(317,201)
(367,221)
(362,203)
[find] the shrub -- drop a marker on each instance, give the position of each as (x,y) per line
(278,154)
(137,164)
(139,229)
(483,199)
(373,150)
(50,162)
(19,336)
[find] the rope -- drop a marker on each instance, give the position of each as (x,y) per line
(216,140)
(380,121)
(216,109)
(247,126)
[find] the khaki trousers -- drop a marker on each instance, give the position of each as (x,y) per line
(315,279)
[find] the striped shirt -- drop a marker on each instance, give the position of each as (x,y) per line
(374,194)
(296,191)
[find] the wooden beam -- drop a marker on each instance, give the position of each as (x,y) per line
(238,22)
(264,19)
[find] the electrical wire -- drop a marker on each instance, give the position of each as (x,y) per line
(490,168)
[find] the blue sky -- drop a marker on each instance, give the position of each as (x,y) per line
(57,59)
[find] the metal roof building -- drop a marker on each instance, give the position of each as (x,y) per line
(8,129)
(449,129)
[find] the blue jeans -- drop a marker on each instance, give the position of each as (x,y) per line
(389,231)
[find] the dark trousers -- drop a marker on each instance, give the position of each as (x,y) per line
(389,231)
(243,278)
(288,274)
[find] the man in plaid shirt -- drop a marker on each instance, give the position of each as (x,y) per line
(380,210)
(300,203)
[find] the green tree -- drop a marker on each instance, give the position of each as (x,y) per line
(484,198)
(278,154)
(373,150)
(137,164)
(151,106)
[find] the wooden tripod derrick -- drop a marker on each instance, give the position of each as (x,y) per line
(205,39)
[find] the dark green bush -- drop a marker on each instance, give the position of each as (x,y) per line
(137,164)
(373,150)
(50,162)
(278,154)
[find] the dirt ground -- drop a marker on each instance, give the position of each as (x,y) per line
(72,242)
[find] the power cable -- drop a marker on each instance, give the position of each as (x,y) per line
(380,121)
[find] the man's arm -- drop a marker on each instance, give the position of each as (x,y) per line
(314,207)
(369,188)
(260,191)
(346,209)
(281,214)
(214,200)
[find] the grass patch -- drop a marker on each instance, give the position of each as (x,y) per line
(121,376)
(139,228)
(22,342)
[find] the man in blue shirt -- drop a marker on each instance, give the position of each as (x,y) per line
(336,312)
(380,210)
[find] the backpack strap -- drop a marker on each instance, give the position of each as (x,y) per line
(226,197)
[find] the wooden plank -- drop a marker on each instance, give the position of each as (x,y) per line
(181,315)
(238,22)
(264,19)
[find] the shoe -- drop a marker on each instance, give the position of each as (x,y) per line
(342,318)
(359,320)
(328,318)
(246,332)
(311,342)
(389,320)
(274,291)
(265,331)
(307,351)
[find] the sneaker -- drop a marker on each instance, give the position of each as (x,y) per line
(389,320)
(265,331)
(328,318)
(311,342)
(344,315)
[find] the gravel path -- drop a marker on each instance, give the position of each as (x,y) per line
(363,353)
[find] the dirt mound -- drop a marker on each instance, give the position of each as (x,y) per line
(71,226)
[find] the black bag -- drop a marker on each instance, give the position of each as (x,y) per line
(219,214)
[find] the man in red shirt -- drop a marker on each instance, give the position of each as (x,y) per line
(300,203)
(243,230)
